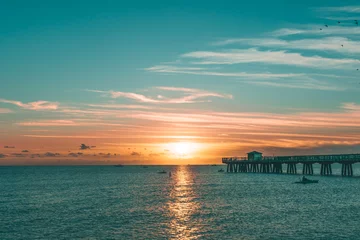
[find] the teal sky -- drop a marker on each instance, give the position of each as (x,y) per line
(178,57)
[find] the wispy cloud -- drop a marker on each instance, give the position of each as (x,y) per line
(49,123)
(195,93)
(119,106)
(306,83)
(69,123)
(337,44)
(172,69)
(315,30)
(38,105)
(348,9)
(351,106)
(191,95)
(347,118)
(254,55)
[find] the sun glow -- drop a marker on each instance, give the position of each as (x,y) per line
(183,149)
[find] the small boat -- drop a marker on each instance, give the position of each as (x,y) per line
(221,170)
(163,171)
(213,165)
(304,180)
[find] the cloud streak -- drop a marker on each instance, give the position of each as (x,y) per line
(253,55)
(322,44)
(191,96)
(314,30)
(348,9)
(38,105)
(172,69)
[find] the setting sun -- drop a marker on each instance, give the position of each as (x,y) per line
(183,149)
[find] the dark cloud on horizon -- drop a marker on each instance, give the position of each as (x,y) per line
(24,151)
(73,155)
(18,155)
(135,154)
(50,154)
(83,146)
(9,146)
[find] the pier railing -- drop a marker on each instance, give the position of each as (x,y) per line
(299,159)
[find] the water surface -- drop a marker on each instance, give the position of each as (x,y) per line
(197,202)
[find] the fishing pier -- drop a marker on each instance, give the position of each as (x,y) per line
(256,163)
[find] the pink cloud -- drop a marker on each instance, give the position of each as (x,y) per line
(190,95)
(48,123)
(38,105)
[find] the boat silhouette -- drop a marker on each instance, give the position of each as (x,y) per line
(305,180)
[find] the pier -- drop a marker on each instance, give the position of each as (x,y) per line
(256,163)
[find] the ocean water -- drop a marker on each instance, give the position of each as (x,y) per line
(196,202)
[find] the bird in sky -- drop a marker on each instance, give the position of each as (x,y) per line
(338,22)
(342,45)
(320,28)
(326,25)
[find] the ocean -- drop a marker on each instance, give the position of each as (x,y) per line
(196,202)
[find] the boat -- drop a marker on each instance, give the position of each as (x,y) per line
(304,180)
(163,171)
(213,165)
(221,170)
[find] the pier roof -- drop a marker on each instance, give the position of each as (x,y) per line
(254,152)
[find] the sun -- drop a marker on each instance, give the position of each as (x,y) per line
(183,149)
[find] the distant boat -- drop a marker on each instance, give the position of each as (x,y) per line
(213,165)
(163,171)
(221,170)
(304,180)
(119,165)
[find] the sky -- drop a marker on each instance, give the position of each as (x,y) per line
(177,82)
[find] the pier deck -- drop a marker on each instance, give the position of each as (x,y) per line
(274,164)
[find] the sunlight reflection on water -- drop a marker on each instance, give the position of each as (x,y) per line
(182,205)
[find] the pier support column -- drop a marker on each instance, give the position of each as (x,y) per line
(347,170)
(254,167)
(277,168)
(325,169)
(244,167)
(265,167)
(291,168)
(308,169)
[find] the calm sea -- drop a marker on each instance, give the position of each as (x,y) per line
(196,202)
